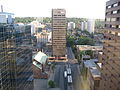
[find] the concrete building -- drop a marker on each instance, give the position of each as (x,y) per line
(93,74)
(91,25)
(71,25)
(39,64)
(58,32)
(84,25)
(110,58)
(6,18)
(94,49)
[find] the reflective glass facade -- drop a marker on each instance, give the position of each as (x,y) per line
(15,58)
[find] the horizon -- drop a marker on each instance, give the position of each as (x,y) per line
(75,8)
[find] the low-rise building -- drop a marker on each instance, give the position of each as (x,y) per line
(93,74)
(94,49)
(39,65)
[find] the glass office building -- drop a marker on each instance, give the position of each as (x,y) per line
(15,58)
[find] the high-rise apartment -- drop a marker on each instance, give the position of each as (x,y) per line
(15,58)
(110,59)
(58,32)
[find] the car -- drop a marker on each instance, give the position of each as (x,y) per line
(69,79)
(69,71)
(65,74)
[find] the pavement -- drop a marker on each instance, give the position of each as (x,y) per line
(40,84)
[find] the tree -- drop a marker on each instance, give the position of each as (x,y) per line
(89,52)
(24,19)
(85,41)
(70,40)
(51,84)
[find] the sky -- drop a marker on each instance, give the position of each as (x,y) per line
(42,8)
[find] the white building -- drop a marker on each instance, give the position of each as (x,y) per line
(91,25)
(6,18)
(71,25)
(83,25)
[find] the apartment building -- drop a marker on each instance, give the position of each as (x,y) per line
(15,58)
(58,32)
(110,58)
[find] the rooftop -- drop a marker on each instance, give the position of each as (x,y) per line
(6,13)
(89,47)
(40,57)
(90,64)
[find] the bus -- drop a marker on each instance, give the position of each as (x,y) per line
(69,79)
(69,71)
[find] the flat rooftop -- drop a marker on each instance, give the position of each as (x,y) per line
(91,65)
(89,47)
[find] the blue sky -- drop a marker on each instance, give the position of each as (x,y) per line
(42,8)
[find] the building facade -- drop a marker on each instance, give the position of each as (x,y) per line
(110,70)
(59,32)
(71,26)
(15,58)
(91,25)
(84,25)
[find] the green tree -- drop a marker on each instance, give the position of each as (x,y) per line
(70,40)
(85,41)
(51,84)
(89,52)
(24,19)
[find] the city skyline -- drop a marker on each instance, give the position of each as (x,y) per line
(77,8)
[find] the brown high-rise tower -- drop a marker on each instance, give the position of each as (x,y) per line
(110,70)
(58,32)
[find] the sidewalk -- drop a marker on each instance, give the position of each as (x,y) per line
(40,84)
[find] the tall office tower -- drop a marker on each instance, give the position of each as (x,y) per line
(59,32)
(110,59)
(15,58)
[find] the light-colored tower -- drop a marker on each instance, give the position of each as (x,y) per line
(84,26)
(91,25)
(58,32)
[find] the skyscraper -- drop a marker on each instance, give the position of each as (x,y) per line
(58,32)
(110,59)
(15,58)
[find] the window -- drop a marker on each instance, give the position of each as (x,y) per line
(115,5)
(108,13)
(118,26)
(114,12)
(113,26)
(108,6)
(117,19)
(113,19)
(108,19)
(118,34)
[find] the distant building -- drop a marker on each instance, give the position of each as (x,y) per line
(84,25)
(71,25)
(6,18)
(59,32)
(94,49)
(43,37)
(91,25)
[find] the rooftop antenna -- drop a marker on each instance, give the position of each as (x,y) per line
(1,8)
